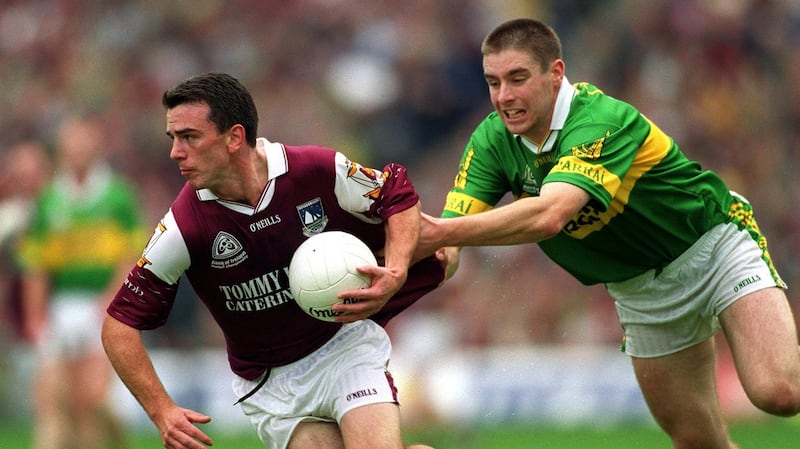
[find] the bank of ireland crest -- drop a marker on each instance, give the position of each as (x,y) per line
(226,251)
(312,216)
(529,184)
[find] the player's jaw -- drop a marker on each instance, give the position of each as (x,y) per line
(193,177)
(516,119)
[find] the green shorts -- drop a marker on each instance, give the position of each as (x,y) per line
(668,311)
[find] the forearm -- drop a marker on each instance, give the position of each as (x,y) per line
(520,222)
(133,365)
(402,234)
(527,220)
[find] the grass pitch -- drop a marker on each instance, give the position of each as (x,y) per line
(770,433)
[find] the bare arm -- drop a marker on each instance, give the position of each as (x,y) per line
(128,355)
(35,302)
(402,234)
(526,220)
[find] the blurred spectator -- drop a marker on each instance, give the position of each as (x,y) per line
(26,169)
(80,244)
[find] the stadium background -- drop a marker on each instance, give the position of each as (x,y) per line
(511,339)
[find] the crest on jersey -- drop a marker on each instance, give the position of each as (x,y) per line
(312,216)
(529,184)
(591,151)
(226,251)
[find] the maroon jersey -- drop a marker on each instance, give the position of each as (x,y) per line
(236,256)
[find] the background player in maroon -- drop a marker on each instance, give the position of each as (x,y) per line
(232,230)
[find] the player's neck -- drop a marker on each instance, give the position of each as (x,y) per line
(249,181)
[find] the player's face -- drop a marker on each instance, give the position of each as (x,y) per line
(521,92)
(200,150)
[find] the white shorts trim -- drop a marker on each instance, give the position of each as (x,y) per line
(663,313)
(348,371)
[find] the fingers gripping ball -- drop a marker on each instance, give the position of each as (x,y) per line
(324,265)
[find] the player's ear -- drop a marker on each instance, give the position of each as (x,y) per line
(557,71)
(236,137)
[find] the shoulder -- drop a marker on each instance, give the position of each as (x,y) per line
(312,154)
(121,189)
(595,115)
(167,254)
(591,103)
(186,206)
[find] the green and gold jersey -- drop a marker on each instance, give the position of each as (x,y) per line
(80,238)
(649,201)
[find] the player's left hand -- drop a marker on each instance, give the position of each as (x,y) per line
(368,301)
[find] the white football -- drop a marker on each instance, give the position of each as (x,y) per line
(324,265)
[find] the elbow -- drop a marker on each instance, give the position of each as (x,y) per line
(549,228)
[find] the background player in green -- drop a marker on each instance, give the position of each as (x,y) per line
(613,200)
(81,242)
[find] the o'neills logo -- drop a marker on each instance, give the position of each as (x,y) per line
(226,251)
(745,282)
(362,394)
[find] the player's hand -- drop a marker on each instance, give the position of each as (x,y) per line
(368,301)
(450,258)
(178,430)
(429,237)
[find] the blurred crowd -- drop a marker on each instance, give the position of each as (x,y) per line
(402,81)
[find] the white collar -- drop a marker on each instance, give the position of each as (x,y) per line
(277,165)
(566,92)
(97,179)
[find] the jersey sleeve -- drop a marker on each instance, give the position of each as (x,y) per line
(166,254)
(607,151)
(373,195)
(596,164)
(479,184)
(145,299)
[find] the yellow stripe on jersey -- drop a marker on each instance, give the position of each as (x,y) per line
(463,204)
(461,177)
(653,150)
(594,172)
(103,244)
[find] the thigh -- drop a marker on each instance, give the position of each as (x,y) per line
(49,384)
(760,329)
(374,426)
(680,390)
(316,435)
(89,379)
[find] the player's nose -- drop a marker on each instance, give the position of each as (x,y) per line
(176,152)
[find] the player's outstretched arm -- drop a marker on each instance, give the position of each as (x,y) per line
(402,232)
(527,220)
(128,356)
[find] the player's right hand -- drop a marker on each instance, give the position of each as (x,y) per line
(449,256)
(178,429)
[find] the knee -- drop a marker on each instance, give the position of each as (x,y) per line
(780,398)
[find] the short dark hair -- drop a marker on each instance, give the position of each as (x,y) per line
(229,102)
(529,35)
